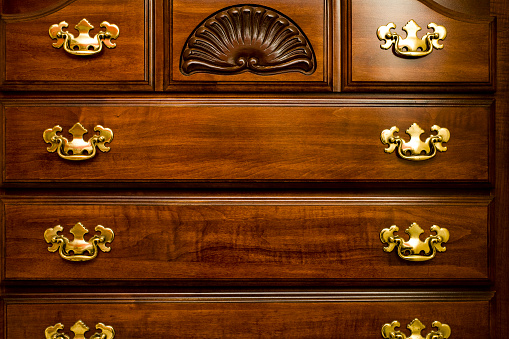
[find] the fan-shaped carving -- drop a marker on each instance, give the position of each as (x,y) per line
(250,38)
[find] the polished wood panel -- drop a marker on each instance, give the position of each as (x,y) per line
(499,229)
(312,17)
(194,318)
(255,318)
(29,6)
(209,142)
(32,63)
(466,63)
(253,239)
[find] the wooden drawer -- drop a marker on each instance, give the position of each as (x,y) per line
(281,45)
(32,63)
(466,62)
(243,315)
(239,240)
(258,140)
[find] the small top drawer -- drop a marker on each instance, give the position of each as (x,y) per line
(409,45)
(88,58)
(217,45)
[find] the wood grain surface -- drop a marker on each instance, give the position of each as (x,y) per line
(36,64)
(312,17)
(247,319)
(236,143)
(257,240)
(465,63)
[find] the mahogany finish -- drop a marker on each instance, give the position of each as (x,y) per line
(32,63)
(261,143)
(311,17)
(188,318)
(333,239)
(263,259)
(466,63)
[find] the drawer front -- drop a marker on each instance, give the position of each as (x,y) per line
(237,240)
(465,63)
(243,317)
(250,143)
(33,63)
(272,46)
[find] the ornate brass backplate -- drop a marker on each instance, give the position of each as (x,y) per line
(415,149)
(415,249)
(389,330)
(79,329)
(75,250)
(77,149)
(83,44)
(411,46)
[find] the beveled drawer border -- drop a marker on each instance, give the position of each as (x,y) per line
(251,296)
(345,69)
(328,100)
(303,198)
(148,84)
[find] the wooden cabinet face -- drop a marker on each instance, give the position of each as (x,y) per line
(32,62)
(216,317)
(250,143)
(326,241)
(465,62)
(219,45)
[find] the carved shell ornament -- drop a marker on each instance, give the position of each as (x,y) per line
(247,38)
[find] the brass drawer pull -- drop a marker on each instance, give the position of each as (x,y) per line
(415,249)
(79,329)
(411,46)
(415,149)
(77,149)
(74,250)
(389,330)
(84,44)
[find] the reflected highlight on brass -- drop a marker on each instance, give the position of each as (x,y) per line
(79,329)
(443,331)
(83,44)
(415,149)
(411,46)
(77,149)
(414,249)
(75,250)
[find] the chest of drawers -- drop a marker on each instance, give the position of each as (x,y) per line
(286,169)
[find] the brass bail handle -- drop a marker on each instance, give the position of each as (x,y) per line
(77,149)
(414,249)
(79,249)
(83,44)
(79,329)
(415,149)
(411,46)
(443,331)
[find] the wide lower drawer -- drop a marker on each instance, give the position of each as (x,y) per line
(242,240)
(261,141)
(264,315)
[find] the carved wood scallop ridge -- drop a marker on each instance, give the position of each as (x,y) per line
(39,13)
(454,13)
(247,38)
